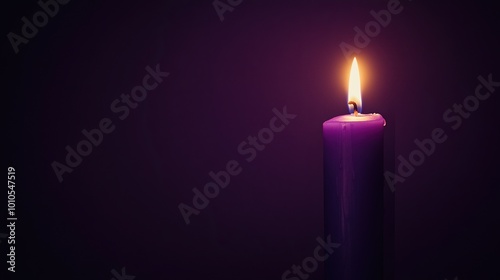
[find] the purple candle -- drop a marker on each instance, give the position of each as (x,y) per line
(353,181)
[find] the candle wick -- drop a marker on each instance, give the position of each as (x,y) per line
(353,106)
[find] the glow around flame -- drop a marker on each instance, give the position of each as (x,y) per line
(354,92)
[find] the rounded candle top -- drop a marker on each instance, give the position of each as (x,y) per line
(358,118)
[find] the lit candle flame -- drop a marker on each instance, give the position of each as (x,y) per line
(354,92)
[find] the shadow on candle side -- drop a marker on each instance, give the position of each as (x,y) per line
(354,200)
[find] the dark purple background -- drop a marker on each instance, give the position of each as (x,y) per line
(119,207)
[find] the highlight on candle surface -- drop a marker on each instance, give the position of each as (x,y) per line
(353,173)
(354,92)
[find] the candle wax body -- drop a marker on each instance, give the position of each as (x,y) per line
(353,189)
